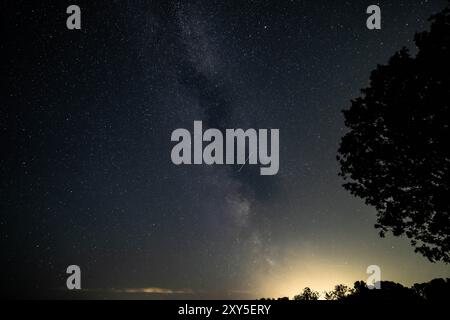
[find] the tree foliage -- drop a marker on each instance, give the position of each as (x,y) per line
(436,289)
(396,154)
(307,294)
(340,292)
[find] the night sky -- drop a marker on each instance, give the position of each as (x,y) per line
(86,121)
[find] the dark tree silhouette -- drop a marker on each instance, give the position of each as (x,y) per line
(436,289)
(389,291)
(340,292)
(283,298)
(307,294)
(396,155)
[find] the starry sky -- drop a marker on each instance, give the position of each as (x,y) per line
(86,174)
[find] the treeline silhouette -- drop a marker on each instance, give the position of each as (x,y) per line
(436,289)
